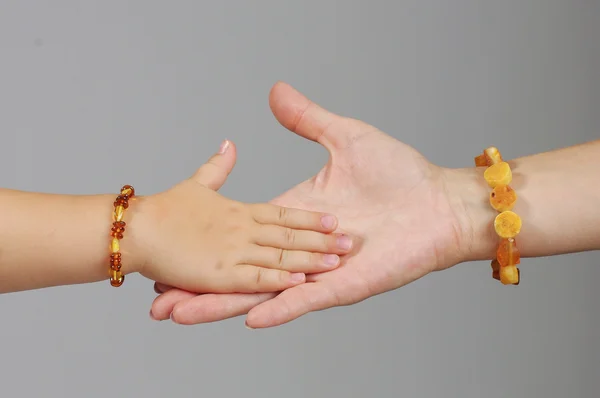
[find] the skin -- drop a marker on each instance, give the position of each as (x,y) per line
(410,217)
(188,236)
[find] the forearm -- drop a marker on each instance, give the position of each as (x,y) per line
(50,240)
(558,196)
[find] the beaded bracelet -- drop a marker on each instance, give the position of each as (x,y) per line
(507,223)
(116,232)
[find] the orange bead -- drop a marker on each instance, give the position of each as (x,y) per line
(128,191)
(503,198)
(508,253)
(495,265)
(481,161)
(495,269)
(507,224)
(116,277)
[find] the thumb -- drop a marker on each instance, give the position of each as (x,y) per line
(309,120)
(215,171)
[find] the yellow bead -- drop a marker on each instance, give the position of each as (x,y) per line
(126,191)
(498,174)
(114,245)
(118,214)
(507,224)
(509,275)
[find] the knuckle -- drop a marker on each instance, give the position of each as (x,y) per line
(281,258)
(289,236)
(259,276)
(283,215)
(283,277)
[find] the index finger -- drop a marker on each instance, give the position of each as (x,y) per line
(265,213)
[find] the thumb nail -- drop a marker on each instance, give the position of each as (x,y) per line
(224,147)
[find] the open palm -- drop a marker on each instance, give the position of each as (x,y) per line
(384,193)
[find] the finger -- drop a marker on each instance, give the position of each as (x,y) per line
(215,307)
(298,114)
(161,288)
(291,304)
(162,306)
(290,260)
(215,171)
(293,239)
(248,278)
(265,213)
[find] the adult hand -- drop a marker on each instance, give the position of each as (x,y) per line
(402,207)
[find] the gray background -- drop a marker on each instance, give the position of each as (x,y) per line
(94,94)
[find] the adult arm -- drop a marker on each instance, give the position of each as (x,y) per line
(558,197)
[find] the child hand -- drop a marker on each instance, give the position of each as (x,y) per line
(196,239)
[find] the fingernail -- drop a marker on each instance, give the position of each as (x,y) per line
(299,277)
(331,259)
(224,147)
(344,242)
(248,327)
(328,222)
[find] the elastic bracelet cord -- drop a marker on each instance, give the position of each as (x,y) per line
(120,204)
(507,223)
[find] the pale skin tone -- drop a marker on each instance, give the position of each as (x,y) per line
(188,236)
(410,217)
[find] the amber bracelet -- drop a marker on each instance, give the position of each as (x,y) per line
(507,223)
(116,232)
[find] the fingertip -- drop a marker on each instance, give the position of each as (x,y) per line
(344,243)
(329,222)
(297,278)
(224,147)
(227,147)
(331,261)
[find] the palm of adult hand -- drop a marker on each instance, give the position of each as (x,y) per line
(382,191)
(390,197)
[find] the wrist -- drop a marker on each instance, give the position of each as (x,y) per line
(468,194)
(134,245)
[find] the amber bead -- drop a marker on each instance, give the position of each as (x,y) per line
(503,198)
(495,269)
(128,190)
(115,261)
(509,275)
(481,161)
(114,245)
(508,253)
(492,156)
(507,224)
(116,278)
(119,212)
(122,200)
(117,230)
(495,265)
(498,174)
